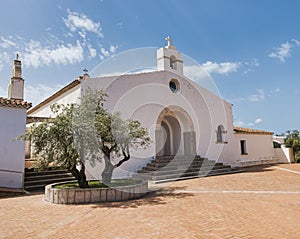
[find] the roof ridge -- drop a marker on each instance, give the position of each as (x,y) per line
(241,130)
(14,103)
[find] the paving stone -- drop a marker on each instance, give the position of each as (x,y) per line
(263,202)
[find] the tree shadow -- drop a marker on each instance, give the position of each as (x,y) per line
(4,194)
(152,198)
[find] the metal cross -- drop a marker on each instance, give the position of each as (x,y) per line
(169,39)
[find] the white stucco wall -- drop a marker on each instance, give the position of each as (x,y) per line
(68,97)
(12,152)
(259,149)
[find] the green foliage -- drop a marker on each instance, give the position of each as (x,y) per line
(86,131)
(293,141)
(276,144)
(53,140)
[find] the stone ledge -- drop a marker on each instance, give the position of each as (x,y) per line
(93,195)
(249,163)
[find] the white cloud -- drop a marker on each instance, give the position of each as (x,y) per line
(82,24)
(104,52)
(113,48)
(240,123)
(93,51)
(4,59)
(194,72)
(221,68)
(55,49)
(36,55)
(282,52)
(296,42)
(258,96)
(39,92)
(250,65)
(7,43)
(107,52)
(258,120)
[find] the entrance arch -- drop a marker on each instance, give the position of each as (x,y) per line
(175,133)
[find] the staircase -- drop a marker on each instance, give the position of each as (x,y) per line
(36,181)
(170,168)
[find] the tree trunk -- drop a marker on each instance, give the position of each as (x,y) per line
(80,176)
(107,173)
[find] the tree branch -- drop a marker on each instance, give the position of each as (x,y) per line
(126,158)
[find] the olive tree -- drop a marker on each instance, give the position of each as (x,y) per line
(116,138)
(53,143)
(86,130)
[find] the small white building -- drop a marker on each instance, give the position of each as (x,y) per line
(183,118)
(13,123)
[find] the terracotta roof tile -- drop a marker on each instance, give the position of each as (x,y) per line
(14,103)
(240,130)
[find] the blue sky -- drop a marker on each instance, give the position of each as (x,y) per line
(250,48)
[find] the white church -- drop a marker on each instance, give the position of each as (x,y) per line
(183,118)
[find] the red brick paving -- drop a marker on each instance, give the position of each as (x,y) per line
(263,202)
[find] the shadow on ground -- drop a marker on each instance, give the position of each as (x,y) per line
(260,168)
(153,198)
(19,194)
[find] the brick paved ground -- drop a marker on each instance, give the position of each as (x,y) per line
(263,202)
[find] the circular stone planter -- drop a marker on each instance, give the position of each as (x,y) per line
(93,195)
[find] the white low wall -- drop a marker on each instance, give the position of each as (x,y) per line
(284,155)
(94,195)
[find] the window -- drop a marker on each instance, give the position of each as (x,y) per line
(174,85)
(173,62)
(221,134)
(243,147)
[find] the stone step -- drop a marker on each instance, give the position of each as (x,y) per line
(198,176)
(157,164)
(36,181)
(47,176)
(40,186)
(158,160)
(47,172)
(175,175)
(188,169)
(47,181)
(171,166)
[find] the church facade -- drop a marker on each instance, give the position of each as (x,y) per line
(182,117)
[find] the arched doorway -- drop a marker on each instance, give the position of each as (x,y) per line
(171,133)
(175,133)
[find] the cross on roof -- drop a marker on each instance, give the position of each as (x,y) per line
(85,71)
(169,40)
(17,56)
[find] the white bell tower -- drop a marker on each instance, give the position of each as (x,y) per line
(16,83)
(168,58)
